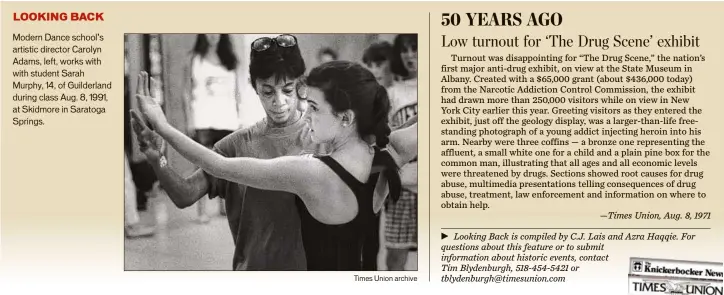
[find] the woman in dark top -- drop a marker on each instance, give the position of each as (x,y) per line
(347,111)
(340,247)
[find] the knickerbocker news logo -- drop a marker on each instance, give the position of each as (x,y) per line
(675,277)
(646,267)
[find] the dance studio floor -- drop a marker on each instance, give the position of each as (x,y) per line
(185,244)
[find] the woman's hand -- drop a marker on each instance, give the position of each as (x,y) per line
(152,111)
(149,142)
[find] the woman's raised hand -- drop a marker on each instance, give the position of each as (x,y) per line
(152,111)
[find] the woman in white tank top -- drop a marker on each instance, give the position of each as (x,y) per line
(212,100)
(401,216)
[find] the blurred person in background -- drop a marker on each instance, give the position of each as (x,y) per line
(327,54)
(401,216)
(133,227)
(212,96)
(378,58)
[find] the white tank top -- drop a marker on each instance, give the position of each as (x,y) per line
(403,106)
(213,105)
(403,102)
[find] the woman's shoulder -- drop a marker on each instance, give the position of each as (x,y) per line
(195,59)
(194,63)
(320,167)
(319,178)
(307,155)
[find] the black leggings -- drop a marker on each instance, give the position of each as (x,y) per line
(143,178)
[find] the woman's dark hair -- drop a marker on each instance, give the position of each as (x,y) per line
(347,85)
(377,52)
(224,50)
(402,42)
(282,62)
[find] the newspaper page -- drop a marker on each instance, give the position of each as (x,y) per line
(397,147)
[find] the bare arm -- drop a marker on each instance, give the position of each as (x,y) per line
(403,148)
(299,175)
(408,171)
(303,176)
(404,144)
(288,173)
(408,176)
(183,191)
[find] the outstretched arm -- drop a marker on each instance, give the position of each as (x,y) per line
(403,148)
(282,174)
(285,173)
(183,191)
(404,143)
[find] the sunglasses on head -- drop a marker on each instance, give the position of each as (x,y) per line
(265,43)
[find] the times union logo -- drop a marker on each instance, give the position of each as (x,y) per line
(677,288)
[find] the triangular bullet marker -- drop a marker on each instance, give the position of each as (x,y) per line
(444,236)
